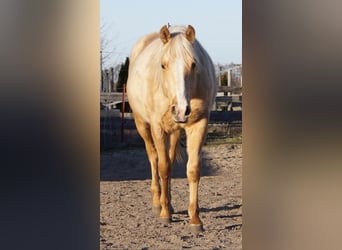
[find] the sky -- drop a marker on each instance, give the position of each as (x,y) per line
(218,25)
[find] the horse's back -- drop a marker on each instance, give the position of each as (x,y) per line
(138,92)
(141,44)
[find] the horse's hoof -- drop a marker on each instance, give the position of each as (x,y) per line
(196,228)
(165,221)
(156,210)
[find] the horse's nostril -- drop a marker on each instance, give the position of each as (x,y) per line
(173,109)
(188,110)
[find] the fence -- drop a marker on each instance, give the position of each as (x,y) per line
(221,124)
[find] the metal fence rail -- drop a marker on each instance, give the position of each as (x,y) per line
(220,124)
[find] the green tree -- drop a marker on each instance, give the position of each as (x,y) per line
(123,75)
(224,79)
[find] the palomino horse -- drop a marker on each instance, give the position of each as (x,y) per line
(171,86)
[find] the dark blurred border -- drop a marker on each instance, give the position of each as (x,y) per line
(292,124)
(49,101)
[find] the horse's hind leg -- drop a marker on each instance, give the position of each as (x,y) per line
(174,149)
(174,154)
(195,137)
(145,132)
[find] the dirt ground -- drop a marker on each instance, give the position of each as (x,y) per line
(126,218)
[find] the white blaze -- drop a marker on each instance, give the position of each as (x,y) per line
(182,101)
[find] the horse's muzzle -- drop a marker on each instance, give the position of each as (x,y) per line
(180,115)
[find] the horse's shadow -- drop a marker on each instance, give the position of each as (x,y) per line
(216,209)
(139,168)
(226,209)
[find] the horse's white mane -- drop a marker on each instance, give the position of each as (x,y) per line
(177,28)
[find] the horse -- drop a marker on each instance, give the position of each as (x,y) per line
(171,88)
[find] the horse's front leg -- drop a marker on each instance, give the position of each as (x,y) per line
(144,130)
(196,135)
(161,141)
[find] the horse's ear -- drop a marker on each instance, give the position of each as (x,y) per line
(164,34)
(190,34)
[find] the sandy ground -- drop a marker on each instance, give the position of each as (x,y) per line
(126,219)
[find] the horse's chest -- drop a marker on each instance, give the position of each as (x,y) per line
(167,123)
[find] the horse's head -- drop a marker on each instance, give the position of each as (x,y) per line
(178,62)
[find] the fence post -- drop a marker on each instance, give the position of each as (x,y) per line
(123,112)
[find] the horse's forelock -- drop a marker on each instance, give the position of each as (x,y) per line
(180,47)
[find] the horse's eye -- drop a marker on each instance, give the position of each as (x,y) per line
(193,65)
(163,66)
